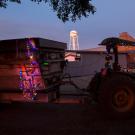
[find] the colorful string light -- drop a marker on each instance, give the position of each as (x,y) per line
(28,73)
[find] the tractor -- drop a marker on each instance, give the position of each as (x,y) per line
(113,88)
(34,65)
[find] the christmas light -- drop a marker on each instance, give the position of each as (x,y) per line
(45,63)
(31,57)
(28,73)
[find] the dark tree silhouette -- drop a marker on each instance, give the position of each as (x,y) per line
(65,9)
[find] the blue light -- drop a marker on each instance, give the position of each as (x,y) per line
(20,72)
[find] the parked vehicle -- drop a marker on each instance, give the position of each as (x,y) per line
(114,88)
(30,66)
(33,65)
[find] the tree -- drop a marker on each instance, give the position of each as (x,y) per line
(65,9)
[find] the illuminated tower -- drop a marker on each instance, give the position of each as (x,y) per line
(74,44)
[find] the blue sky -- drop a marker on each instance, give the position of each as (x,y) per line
(30,19)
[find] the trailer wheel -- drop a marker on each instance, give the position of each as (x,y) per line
(117,97)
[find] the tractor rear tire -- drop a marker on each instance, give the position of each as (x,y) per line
(117,97)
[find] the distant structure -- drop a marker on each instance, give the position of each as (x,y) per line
(74,44)
(126,36)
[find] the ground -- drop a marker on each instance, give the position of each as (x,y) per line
(59,119)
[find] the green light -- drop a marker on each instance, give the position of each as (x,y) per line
(45,63)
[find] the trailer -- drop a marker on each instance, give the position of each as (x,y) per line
(29,66)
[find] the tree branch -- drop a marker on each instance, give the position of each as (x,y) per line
(65,9)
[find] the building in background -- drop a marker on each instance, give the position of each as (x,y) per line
(83,64)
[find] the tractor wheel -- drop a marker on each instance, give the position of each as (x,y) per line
(117,97)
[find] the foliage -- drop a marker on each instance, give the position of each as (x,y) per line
(65,9)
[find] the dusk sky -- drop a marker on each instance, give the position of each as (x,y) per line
(30,19)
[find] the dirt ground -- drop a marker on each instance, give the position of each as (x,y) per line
(59,119)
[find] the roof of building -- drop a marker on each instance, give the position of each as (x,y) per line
(126,36)
(9,44)
(121,49)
